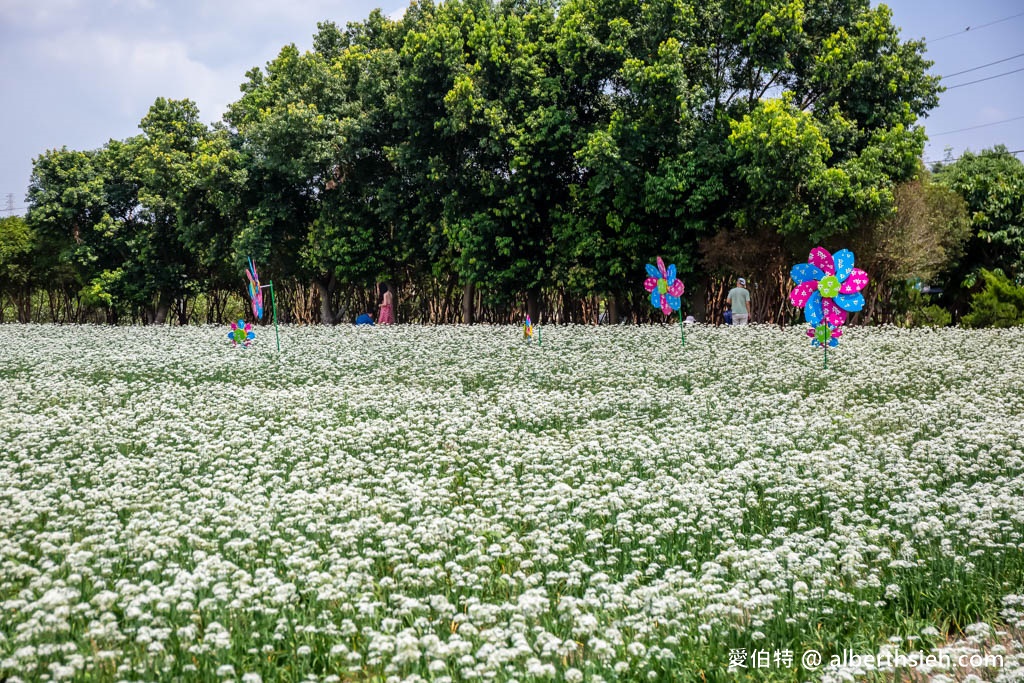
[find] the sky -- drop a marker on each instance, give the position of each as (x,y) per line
(78,73)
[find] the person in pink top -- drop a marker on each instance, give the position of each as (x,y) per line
(387,307)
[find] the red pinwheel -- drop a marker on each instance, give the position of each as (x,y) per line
(665,289)
(828,287)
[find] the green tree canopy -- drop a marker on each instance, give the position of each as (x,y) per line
(519,146)
(992,184)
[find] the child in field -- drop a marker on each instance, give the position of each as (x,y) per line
(387,311)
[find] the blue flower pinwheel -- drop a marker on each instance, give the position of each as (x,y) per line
(664,287)
(828,288)
(241,334)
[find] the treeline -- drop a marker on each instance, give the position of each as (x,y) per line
(490,159)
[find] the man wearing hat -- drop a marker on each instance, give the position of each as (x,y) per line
(739,300)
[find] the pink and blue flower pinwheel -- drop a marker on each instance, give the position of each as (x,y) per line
(241,334)
(664,287)
(828,287)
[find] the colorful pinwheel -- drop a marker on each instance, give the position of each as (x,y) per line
(528,328)
(255,291)
(665,289)
(825,334)
(828,287)
(241,334)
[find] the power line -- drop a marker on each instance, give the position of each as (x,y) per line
(983,125)
(982,80)
(976,28)
(998,61)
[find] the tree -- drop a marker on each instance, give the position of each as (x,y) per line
(67,211)
(453,154)
(923,237)
(639,186)
(162,268)
(210,211)
(828,156)
(785,117)
(444,157)
(992,184)
(16,245)
(505,97)
(353,239)
(522,149)
(317,134)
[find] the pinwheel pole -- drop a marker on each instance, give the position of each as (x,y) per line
(273,308)
(682,329)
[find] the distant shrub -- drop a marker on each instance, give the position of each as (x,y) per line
(930,316)
(918,311)
(999,304)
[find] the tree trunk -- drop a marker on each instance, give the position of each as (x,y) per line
(326,290)
(23,305)
(468,303)
(182,311)
(700,293)
(532,305)
(163,307)
(613,310)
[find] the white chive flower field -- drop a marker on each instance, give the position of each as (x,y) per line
(459,504)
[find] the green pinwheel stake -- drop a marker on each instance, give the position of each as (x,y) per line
(822,335)
(256,297)
(273,308)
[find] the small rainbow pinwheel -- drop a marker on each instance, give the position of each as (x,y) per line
(665,289)
(528,328)
(241,334)
(828,287)
(255,291)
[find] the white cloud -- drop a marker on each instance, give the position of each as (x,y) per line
(85,71)
(33,14)
(132,71)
